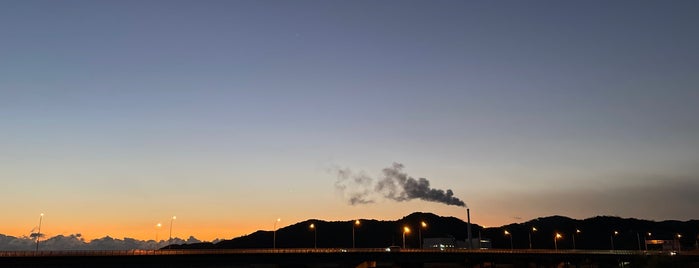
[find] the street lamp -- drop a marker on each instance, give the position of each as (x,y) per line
(577,231)
(510,235)
(315,235)
(555,240)
(169,241)
(612,238)
(405,231)
(356,224)
(157,230)
(645,240)
(679,246)
(38,234)
(530,236)
(423,224)
(274,235)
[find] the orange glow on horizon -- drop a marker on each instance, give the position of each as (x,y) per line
(207,223)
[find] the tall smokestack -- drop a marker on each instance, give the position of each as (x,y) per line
(468,217)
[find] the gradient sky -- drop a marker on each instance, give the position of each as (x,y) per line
(116,115)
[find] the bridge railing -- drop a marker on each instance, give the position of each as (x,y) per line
(138,252)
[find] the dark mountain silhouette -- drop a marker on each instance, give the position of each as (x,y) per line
(595,233)
(338,234)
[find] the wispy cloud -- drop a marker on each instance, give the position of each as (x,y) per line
(647,197)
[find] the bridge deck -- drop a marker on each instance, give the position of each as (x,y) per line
(329,257)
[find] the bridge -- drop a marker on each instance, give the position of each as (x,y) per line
(341,258)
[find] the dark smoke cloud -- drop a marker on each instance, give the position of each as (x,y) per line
(395,185)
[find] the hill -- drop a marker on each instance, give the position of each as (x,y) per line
(594,233)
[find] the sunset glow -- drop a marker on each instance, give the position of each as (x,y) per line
(239,116)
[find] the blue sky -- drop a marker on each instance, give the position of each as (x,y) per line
(123,113)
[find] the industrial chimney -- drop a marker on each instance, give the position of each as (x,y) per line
(468,217)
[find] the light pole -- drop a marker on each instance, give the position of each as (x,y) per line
(645,239)
(530,237)
(169,240)
(577,231)
(38,235)
(423,224)
(274,235)
(679,246)
(315,235)
(507,233)
(555,240)
(611,238)
(157,230)
(356,224)
(405,231)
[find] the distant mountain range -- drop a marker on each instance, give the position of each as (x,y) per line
(594,233)
(77,242)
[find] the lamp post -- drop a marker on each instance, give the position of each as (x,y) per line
(157,230)
(169,241)
(530,236)
(507,233)
(645,240)
(274,234)
(577,231)
(38,234)
(405,231)
(679,246)
(315,235)
(355,224)
(611,238)
(555,240)
(423,224)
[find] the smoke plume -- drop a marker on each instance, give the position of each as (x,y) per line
(356,187)
(394,185)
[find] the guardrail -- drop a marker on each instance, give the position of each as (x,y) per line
(319,251)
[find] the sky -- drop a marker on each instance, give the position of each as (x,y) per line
(118,115)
